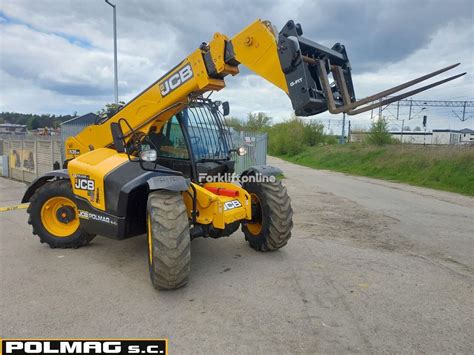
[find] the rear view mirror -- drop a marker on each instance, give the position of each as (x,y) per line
(225,108)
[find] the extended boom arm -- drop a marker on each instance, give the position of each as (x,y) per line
(291,62)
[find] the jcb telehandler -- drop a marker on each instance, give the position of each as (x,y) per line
(139,170)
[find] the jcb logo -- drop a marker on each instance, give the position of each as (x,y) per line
(230,205)
(176,80)
(84,184)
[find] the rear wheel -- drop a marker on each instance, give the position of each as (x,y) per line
(169,242)
(272,215)
(54,216)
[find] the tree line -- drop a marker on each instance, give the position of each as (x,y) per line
(33,121)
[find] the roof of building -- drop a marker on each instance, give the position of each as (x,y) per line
(467,130)
(446,131)
(12,125)
(88,118)
(412,133)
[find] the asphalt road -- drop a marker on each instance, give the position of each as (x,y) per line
(372,266)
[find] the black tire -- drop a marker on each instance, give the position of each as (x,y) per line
(169,242)
(57,188)
(272,216)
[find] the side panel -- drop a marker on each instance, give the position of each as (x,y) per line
(121,183)
(99,222)
(87,173)
(111,192)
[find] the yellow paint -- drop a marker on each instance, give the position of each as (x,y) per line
(12,208)
(256,48)
(256,227)
(96,165)
(210,207)
(50,221)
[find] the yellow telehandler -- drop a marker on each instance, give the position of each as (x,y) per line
(145,169)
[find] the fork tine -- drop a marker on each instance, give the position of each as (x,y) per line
(402,96)
(340,81)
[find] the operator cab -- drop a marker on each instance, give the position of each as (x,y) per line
(195,142)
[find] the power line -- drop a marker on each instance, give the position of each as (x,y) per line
(436,103)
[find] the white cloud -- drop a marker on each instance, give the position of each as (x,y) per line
(56,56)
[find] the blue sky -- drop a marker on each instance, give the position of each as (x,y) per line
(57,56)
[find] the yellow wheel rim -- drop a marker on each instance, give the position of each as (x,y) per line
(256,227)
(59,216)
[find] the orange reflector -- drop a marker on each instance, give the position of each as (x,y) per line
(221,191)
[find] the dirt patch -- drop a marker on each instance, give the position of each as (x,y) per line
(324,215)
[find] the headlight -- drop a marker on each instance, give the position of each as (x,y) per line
(148,155)
(241,151)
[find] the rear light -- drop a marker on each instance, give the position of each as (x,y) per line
(222,191)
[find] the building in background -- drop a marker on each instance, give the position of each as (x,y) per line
(75,125)
(437,136)
(467,136)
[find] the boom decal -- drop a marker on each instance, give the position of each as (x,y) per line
(176,80)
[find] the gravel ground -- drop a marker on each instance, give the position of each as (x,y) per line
(372,267)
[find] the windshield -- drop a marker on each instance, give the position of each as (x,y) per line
(209,136)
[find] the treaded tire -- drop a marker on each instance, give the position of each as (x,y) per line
(57,188)
(276,216)
(169,242)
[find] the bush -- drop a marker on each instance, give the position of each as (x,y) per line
(379,134)
(313,133)
(292,136)
(286,138)
(329,139)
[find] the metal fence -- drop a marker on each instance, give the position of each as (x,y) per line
(256,145)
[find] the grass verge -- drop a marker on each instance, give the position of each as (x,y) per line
(449,168)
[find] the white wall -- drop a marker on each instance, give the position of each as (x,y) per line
(446,137)
(412,138)
(467,138)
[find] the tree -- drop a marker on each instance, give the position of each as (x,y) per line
(258,121)
(110,109)
(417,129)
(235,123)
(407,128)
(33,121)
(313,133)
(379,133)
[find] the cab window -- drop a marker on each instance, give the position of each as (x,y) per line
(170,142)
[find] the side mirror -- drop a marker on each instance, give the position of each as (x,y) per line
(225,108)
(117,136)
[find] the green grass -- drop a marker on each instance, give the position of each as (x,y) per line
(449,168)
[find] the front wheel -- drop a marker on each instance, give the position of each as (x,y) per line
(272,216)
(169,242)
(54,217)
